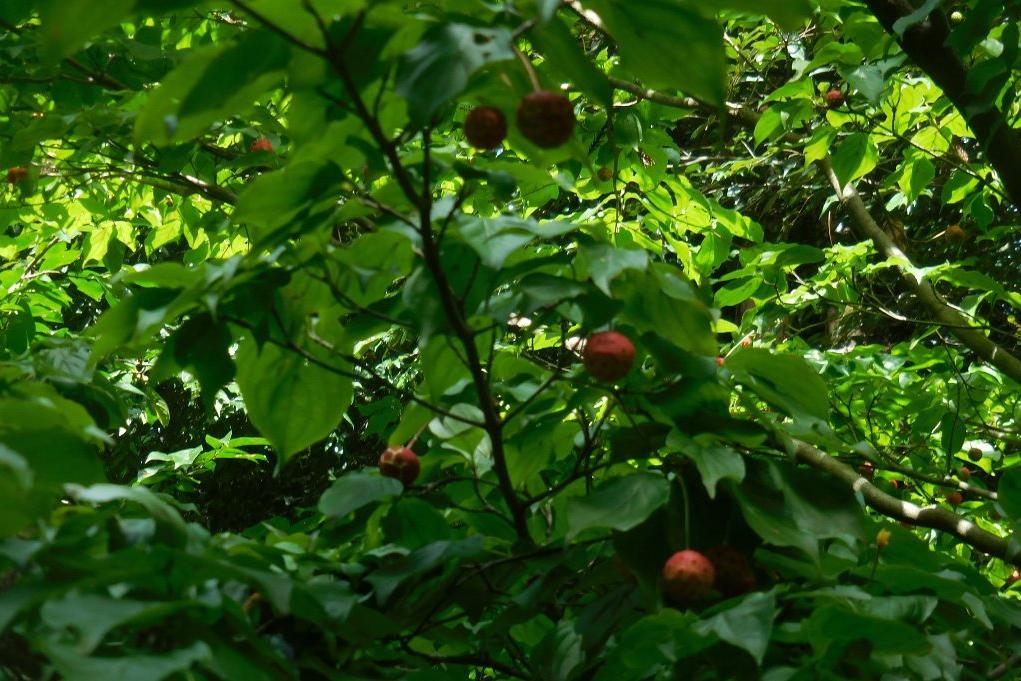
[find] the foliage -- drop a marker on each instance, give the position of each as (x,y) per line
(246,247)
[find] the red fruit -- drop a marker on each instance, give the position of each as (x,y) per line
(733,574)
(608,355)
(605,174)
(687,577)
(965,473)
(720,361)
(746,343)
(261,144)
(834,98)
(955,498)
(485,127)
(867,471)
(400,463)
(896,484)
(17,174)
(546,119)
(975,454)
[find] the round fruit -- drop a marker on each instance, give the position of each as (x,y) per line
(955,233)
(720,361)
(605,174)
(261,144)
(733,574)
(400,463)
(883,538)
(746,343)
(965,473)
(975,454)
(896,484)
(608,355)
(956,17)
(546,119)
(867,471)
(485,127)
(834,98)
(955,498)
(627,129)
(687,577)
(17,174)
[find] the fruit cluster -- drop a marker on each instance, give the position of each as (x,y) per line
(690,576)
(546,119)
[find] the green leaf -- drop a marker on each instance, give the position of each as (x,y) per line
(495,239)
(1009,492)
(787,382)
(293,402)
(213,83)
(714,463)
(355,490)
(747,625)
(387,579)
(789,14)
(831,623)
(855,157)
(66,25)
(92,616)
(563,54)
(75,667)
(296,199)
(620,504)
(667,45)
(605,262)
(439,67)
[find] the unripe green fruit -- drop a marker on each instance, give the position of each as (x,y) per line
(956,17)
(627,129)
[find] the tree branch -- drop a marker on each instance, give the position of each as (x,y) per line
(926,516)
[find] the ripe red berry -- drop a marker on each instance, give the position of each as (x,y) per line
(975,454)
(485,127)
(687,577)
(261,144)
(546,119)
(867,471)
(17,174)
(896,484)
(834,98)
(733,574)
(608,355)
(720,361)
(955,498)
(400,463)
(965,473)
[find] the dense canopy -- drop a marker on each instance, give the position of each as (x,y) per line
(535,339)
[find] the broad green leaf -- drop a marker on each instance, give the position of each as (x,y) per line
(440,66)
(355,490)
(785,381)
(855,157)
(92,616)
(747,625)
(1009,492)
(293,402)
(620,504)
(789,14)
(656,37)
(75,667)
(212,83)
